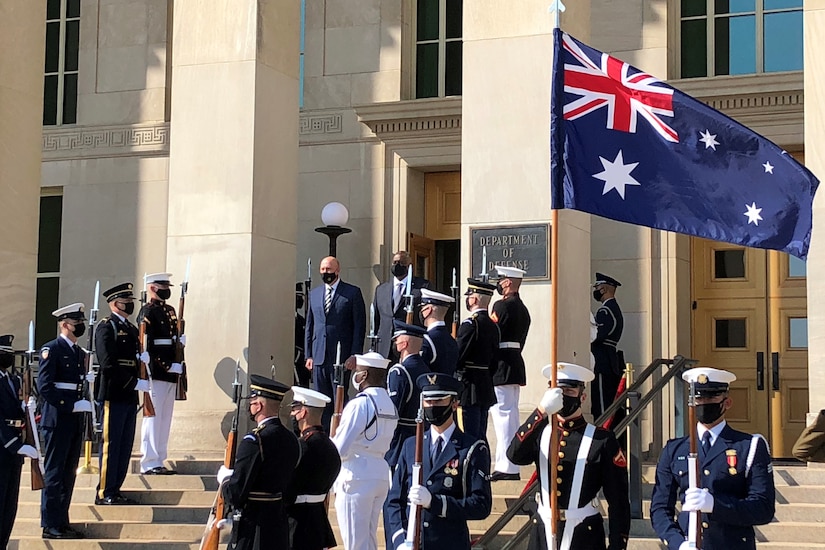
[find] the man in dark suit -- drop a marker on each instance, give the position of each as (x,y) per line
(735,486)
(336,317)
(390,302)
(456,468)
(610,324)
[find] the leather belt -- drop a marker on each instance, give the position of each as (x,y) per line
(407,422)
(256,496)
(15,423)
(310,499)
(578,514)
(509,345)
(67,386)
(162,341)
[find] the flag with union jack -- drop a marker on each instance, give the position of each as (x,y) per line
(626,146)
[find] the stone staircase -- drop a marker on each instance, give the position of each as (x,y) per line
(174,509)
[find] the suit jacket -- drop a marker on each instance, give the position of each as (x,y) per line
(460,486)
(740,501)
(345,323)
(385,312)
(60,364)
(811,444)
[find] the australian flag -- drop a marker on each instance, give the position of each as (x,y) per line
(626,146)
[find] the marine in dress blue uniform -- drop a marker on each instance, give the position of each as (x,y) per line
(456,486)
(117,348)
(60,385)
(439,350)
(610,324)
(735,475)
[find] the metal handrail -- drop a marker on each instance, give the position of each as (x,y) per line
(676,365)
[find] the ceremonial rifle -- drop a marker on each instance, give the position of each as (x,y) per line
(454,290)
(413,539)
(373,337)
(484,275)
(212,536)
(409,296)
(90,425)
(31,436)
(695,518)
(340,391)
(183,380)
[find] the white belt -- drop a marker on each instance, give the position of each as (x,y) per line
(310,499)
(578,515)
(66,386)
(162,341)
(509,345)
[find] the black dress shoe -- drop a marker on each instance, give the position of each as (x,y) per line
(160,471)
(501,476)
(116,500)
(53,533)
(70,533)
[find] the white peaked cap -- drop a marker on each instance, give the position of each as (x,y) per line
(568,371)
(509,272)
(309,398)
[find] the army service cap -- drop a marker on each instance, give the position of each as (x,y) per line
(123,291)
(505,272)
(5,343)
(401,329)
(437,385)
(569,375)
(73,311)
(602,279)
(308,398)
(436,298)
(474,286)
(372,360)
(159,279)
(709,381)
(261,386)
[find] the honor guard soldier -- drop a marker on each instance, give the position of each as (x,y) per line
(439,350)
(60,385)
(161,335)
(363,438)
(478,339)
(316,472)
(264,465)
(456,468)
(513,320)
(117,347)
(602,466)
(11,439)
(609,325)
(735,486)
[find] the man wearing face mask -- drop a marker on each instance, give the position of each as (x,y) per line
(116,345)
(60,385)
(735,486)
(578,481)
(477,339)
(456,469)
(367,425)
(11,439)
(316,472)
(439,349)
(336,316)
(390,302)
(610,324)
(264,465)
(161,336)
(513,320)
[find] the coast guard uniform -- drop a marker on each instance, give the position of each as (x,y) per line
(439,349)
(12,423)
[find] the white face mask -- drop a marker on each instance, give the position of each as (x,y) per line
(357,385)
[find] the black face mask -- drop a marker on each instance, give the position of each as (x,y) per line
(129,308)
(79,330)
(6,361)
(164,293)
(328,278)
(421,317)
(708,413)
(295,429)
(597,295)
(569,405)
(438,415)
(399,270)
(499,289)
(467,304)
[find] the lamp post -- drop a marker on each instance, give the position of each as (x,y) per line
(334,216)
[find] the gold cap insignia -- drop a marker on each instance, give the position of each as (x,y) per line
(702,378)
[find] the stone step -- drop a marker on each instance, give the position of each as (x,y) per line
(180,532)
(37,543)
(86,495)
(145,514)
(138,481)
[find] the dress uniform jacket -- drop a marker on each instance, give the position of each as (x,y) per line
(513,320)
(316,472)
(811,444)
(742,497)
(610,326)
(264,465)
(405,395)
(440,350)
(12,418)
(161,332)
(117,348)
(460,486)
(478,340)
(606,470)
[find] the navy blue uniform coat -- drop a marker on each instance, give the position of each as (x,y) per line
(405,395)
(440,350)
(11,463)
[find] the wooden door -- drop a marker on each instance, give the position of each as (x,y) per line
(422,253)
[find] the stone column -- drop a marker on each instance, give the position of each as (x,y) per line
(814,25)
(22,46)
(232,198)
(507,63)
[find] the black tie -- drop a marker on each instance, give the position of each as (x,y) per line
(706,443)
(439,445)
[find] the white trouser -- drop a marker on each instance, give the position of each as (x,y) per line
(506,423)
(154,432)
(357,504)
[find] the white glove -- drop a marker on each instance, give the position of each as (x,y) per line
(90,377)
(142,385)
(28,450)
(31,403)
(551,401)
(176,368)
(420,496)
(225,523)
(182,340)
(685,546)
(224,473)
(144,357)
(82,406)
(698,500)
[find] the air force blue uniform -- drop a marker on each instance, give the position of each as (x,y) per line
(440,350)
(608,367)
(405,396)
(743,497)
(60,384)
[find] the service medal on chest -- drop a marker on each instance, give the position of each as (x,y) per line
(732,460)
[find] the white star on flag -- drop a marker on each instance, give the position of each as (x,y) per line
(709,140)
(753,214)
(768,167)
(616,175)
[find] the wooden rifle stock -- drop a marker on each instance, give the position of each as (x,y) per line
(31,437)
(148,407)
(183,379)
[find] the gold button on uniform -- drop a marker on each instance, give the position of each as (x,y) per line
(704,525)
(558,480)
(560,467)
(558,493)
(561,454)
(707,472)
(565,433)
(563,443)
